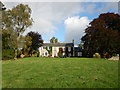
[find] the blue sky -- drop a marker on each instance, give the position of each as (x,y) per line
(64,20)
(98,6)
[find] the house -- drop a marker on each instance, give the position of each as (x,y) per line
(53,49)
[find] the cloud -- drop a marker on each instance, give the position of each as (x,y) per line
(74,28)
(110,6)
(47,14)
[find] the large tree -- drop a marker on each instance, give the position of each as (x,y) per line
(103,35)
(15,22)
(37,41)
(21,19)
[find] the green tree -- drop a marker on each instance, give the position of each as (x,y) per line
(7,34)
(25,44)
(21,17)
(53,40)
(14,23)
(103,35)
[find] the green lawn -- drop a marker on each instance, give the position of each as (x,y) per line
(60,73)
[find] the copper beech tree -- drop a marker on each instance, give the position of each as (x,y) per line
(37,41)
(103,35)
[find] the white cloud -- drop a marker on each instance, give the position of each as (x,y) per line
(74,28)
(47,14)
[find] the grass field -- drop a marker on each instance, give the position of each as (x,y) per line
(60,73)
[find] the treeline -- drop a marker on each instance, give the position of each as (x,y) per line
(14,23)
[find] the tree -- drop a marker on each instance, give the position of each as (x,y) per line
(25,44)
(21,20)
(37,41)
(14,23)
(53,40)
(103,35)
(7,34)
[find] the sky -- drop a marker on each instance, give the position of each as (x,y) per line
(64,20)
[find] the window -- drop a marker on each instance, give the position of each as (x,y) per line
(69,54)
(79,53)
(45,53)
(69,48)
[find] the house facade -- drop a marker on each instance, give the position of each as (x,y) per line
(54,49)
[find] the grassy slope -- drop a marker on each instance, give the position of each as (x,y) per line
(59,73)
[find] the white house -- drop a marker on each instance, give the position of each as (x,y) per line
(67,49)
(53,49)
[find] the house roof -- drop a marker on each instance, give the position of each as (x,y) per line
(59,44)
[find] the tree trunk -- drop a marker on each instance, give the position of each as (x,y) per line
(15,54)
(16,49)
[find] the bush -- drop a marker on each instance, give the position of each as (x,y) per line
(96,55)
(19,52)
(8,54)
(107,55)
(60,55)
(35,54)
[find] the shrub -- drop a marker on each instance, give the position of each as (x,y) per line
(96,55)
(8,54)
(50,55)
(107,55)
(19,52)
(60,53)
(35,54)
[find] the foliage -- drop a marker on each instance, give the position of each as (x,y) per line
(53,40)
(96,55)
(103,35)
(19,53)
(60,53)
(14,23)
(39,72)
(37,41)
(49,50)
(7,54)
(25,44)
(21,18)
(35,54)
